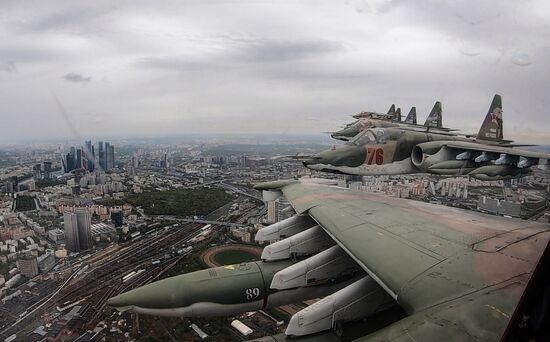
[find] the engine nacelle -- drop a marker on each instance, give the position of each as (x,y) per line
(430,153)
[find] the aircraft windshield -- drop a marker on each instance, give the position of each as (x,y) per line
(381,135)
(371,136)
(366,137)
(353,123)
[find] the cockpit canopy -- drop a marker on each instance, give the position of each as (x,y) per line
(373,136)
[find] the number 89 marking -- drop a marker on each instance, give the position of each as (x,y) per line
(252,293)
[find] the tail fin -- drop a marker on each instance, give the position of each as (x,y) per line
(492,128)
(411,117)
(391,111)
(397,116)
(434,119)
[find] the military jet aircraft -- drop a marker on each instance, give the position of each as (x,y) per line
(434,120)
(390,115)
(352,129)
(399,150)
(391,270)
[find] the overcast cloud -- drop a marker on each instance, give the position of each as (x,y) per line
(171,67)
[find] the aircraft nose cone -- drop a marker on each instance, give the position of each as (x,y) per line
(162,294)
(315,159)
(348,132)
(346,155)
(122,300)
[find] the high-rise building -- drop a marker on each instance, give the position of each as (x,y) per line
(272,211)
(71,232)
(101,155)
(135,160)
(90,155)
(116,218)
(84,222)
(37,171)
(107,148)
(243,161)
(64,163)
(112,156)
(72,152)
(68,163)
(78,230)
(47,170)
(28,266)
(12,185)
(81,160)
(109,156)
(88,146)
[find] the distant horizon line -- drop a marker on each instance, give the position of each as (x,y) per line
(108,138)
(190,136)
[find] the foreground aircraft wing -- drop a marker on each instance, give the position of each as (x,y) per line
(443,274)
(457,274)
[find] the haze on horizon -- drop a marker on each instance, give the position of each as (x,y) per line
(148,68)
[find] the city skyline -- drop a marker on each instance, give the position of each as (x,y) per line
(84,157)
(141,69)
(74,243)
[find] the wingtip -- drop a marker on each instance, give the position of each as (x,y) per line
(274,185)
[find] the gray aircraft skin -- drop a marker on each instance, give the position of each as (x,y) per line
(399,150)
(434,120)
(390,115)
(365,120)
(455,275)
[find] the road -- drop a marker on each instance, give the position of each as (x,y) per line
(238,190)
(219,223)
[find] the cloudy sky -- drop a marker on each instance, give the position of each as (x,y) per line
(101,68)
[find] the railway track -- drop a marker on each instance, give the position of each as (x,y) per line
(103,278)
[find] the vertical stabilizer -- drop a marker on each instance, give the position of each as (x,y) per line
(411,117)
(397,116)
(492,128)
(435,120)
(391,111)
